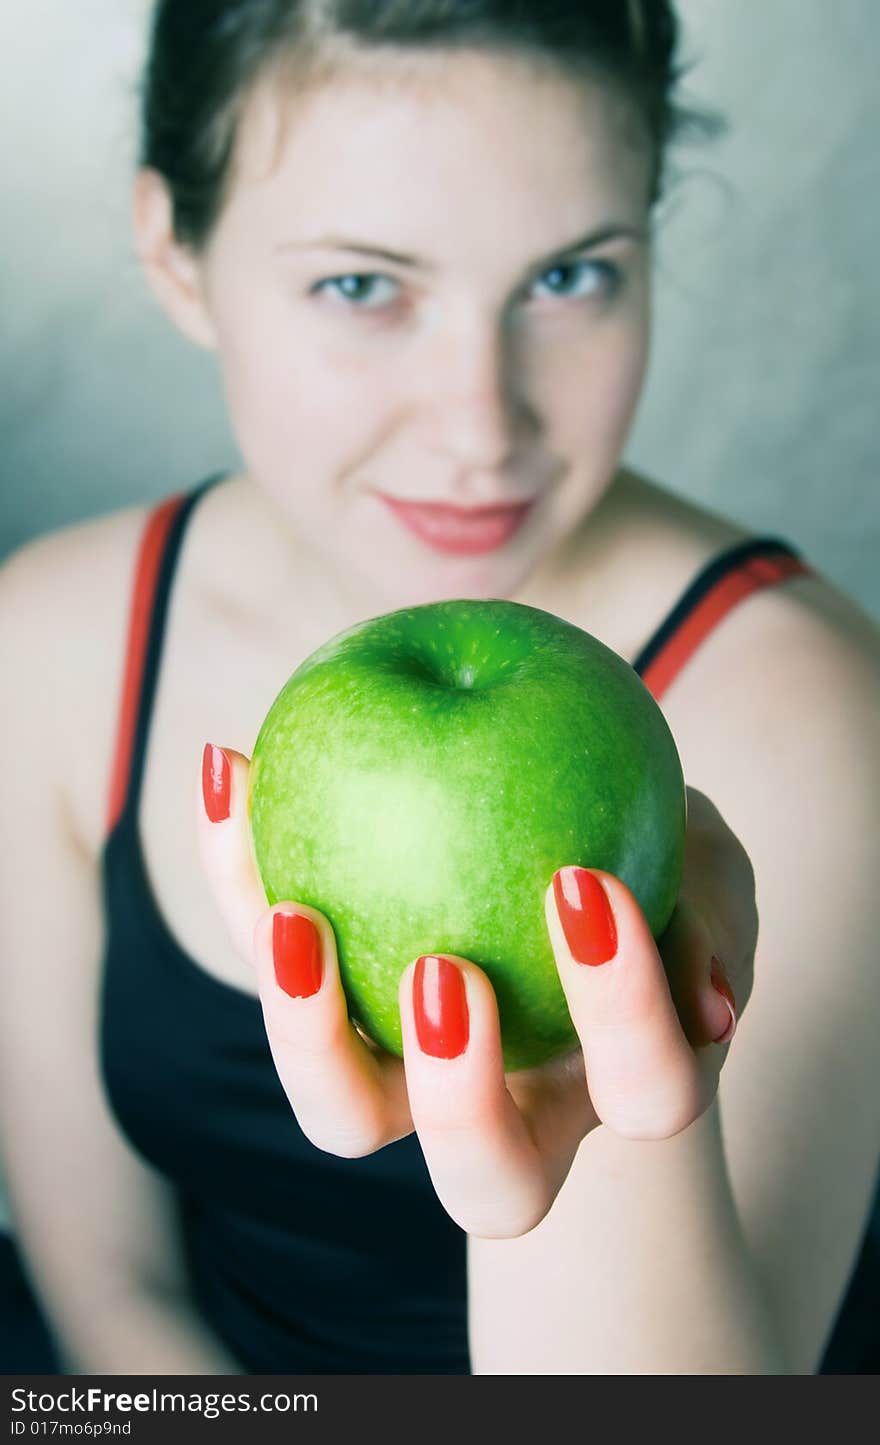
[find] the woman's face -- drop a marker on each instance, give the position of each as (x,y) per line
(496,357)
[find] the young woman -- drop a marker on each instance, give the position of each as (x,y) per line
(418,239)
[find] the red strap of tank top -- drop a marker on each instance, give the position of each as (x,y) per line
(748,577)
(143,596)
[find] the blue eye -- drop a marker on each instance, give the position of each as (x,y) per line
(602,279)
(575,280)
(355,288)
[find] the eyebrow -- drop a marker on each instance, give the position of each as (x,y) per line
(609,232)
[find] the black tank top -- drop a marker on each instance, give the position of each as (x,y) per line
(301,1262)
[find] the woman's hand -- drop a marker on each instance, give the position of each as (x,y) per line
(653,1022)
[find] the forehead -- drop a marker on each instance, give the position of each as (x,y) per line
(470,137)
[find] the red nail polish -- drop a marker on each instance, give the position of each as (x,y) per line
(216,781)
(296,951)
(585,914)
(719,981)
(440,1007)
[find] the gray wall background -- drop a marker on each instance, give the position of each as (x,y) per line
(762,395)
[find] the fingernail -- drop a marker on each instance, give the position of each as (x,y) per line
(296,952)
(585,914)
(721,984)
(440,1007)
(216,780)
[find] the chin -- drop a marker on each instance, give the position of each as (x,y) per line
(430,585)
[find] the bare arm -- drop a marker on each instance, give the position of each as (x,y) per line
(640,1268)
(95,1222)
(142,1332)
(728,1250)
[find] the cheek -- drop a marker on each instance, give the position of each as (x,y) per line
(619,384)
(592,388)
(288,400)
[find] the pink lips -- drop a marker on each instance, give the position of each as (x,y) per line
(458,530)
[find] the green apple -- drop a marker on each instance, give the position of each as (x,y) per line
(421,776)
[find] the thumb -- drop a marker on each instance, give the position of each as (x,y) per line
(642,1076)
(223,834)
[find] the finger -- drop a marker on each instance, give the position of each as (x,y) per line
(223,836)
(698,978)
(349,1098)
(481,1157)
(718,881)
(554,1099)
(642,1075)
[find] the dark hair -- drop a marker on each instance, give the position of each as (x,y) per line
(207,55)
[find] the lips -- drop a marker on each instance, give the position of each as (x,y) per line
(460,531)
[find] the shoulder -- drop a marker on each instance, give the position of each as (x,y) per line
(61,573)
(775,715)
(788,630)
(65,601)
(790,670)
(81,542)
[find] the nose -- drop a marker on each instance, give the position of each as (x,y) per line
(477,418)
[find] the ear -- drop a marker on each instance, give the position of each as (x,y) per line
(172,268)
